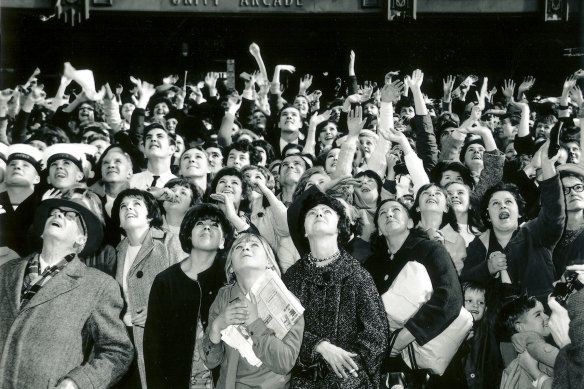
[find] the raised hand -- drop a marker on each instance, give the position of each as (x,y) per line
(355,121)
(569,83)
(526,85)
(352,63)
(392,135)
(447,86)
(497,261)
(392,92)
(415,81)
(576,95)
(508,89)
(6,95)
(305,83)
(389,76)
(287,68)
(211,82)
(316,119)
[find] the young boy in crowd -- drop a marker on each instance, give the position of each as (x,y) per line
(478,363)
(525,319)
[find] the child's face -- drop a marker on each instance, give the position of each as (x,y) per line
(474,302)
(534,320)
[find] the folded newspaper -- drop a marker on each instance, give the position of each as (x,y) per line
(277,307)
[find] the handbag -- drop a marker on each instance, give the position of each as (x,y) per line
(411,289)
(436,354)
(403,377)
(314,372)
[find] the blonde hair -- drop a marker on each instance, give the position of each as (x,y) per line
(245,237)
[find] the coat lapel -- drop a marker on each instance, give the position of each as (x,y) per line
(12,283)
(147,247)
(66,280)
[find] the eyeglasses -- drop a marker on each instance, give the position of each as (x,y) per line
(578,188)
(68,214)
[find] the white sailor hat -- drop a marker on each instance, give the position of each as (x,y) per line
(69,151)
(26,153)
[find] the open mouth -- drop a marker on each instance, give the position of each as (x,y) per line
(60,175)
(365,189)
(503,215)
(431,201)
(477,157)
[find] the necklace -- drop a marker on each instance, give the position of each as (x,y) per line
(318,261)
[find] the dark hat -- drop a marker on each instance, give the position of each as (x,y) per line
(570,168)
(93,228)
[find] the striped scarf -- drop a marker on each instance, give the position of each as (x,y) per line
(34,280)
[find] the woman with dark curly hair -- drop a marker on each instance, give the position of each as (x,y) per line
(525,251)
(180,298)
(345,333)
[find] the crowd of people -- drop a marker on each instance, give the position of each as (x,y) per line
(428,240)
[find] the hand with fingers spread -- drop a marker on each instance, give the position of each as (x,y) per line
(211,83)
(391,93)
(508,89)
(305,83)
(389,76)
(52,194)
(526,85)
(447,86)
(568,85)
(340,361)
(576,96)
(482,95)
(416,80)
(317,118)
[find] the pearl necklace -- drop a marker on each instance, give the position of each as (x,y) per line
(318,261)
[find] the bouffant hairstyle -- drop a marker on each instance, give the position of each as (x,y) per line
(319,198)
(501,187)
(245,147)
(303,181)
(201,212)
(154,213)
(229,171)
(443,166)
(270,155)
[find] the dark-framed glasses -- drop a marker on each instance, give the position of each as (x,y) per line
(578,188)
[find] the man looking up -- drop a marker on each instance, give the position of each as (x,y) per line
(158,149)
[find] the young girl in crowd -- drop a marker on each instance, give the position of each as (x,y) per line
(235,305)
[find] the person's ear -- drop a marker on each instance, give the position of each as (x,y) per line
(222,244)
(518,326)
(410,224)
(81,240)
(79,176)
(36,179)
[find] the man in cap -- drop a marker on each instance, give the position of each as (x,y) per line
(64,162)
(158,149)
(53,308)
(17,202)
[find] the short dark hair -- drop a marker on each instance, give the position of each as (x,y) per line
(501,187)
(291,146)
(318,198)
(286,106)
(245,147)
(229,171)
(378,181)
(443,166)
(154,213)
(197,195)
(512,310)
(204,211)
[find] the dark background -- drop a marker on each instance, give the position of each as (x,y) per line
(150,46)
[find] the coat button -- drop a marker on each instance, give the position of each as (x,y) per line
(139,274)
(211,292)
(472,375)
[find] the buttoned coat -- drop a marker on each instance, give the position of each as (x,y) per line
(51,337)
(156,254)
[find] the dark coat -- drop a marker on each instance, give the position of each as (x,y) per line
(446,302)
(51,337)
(342,307)
(529,252)
(176,303)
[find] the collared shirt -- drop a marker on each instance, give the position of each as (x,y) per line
(144,179)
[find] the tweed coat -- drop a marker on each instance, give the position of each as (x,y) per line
(342,307)
(51,337)
(156,254)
